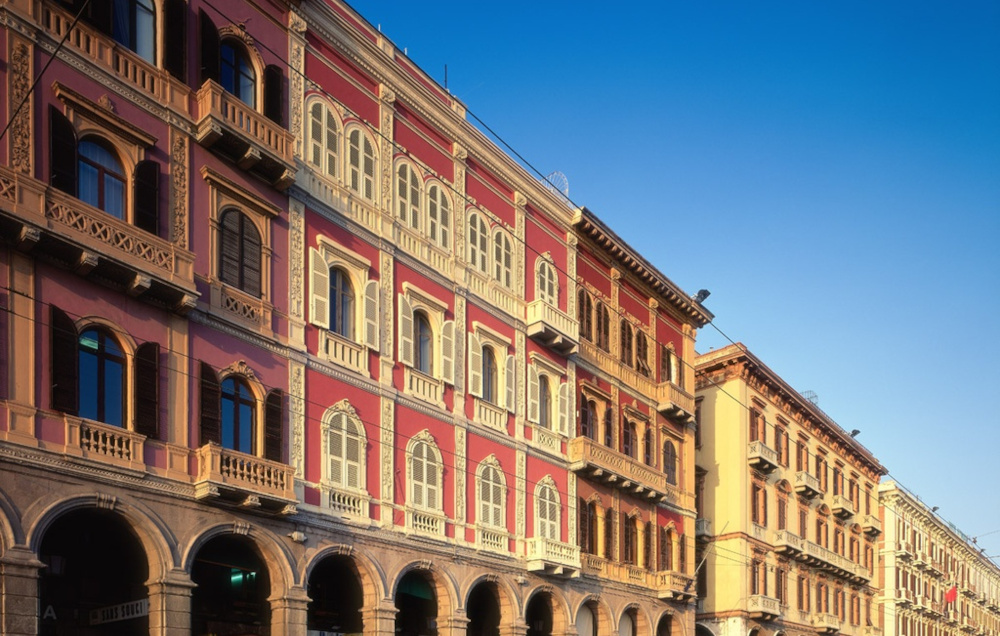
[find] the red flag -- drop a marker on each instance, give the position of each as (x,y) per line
(951,595)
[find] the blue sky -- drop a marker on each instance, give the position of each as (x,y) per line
(830,171)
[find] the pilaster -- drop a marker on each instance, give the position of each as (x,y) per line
(21,369)
(170,604)
(19,592)
(456,625)
(379,621)
(289,613)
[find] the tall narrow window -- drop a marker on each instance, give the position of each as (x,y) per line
(490,379)
(101,178)
(666,549)
(240,252)
(360,164)
(134,26)
(491,497)
(478,239)
(609,428)
(630,540)
(345,444)
(670,462)
(341,304)
(238,406)
(425,485)
(588,527)
(236,73)
(407,195)
(547,511)
(544,403)
(547,289)
(588,410)
(641,353)
(324,139)
(625,343)
(647,447)
(610,529)
(603,319)
(585,314)
(503,259)
(423,340)
(438,216)
(629,439)
(102,378)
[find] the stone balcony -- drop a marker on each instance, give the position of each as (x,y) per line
(935,568)
(920,560)
(764,608)
(904,550)
(788,543)
(236,131)
(762,457)
(553,328)
(674,586)
(871,525)
(826,623)
(236,478)
(548,556)
(674,402)
(594,461)
(807,485)
(105,443)
(58,227)
(842,507)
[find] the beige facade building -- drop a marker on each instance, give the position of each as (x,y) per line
(935,581)
(788,508)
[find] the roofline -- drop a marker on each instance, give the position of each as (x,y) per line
(588,224)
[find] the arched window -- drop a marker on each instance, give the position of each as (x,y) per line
(102,377)
(324,139)
(341,303)
(588,413)
(491,382)
(630,540)
(647,447)
(478,234)
(407,195)
(626,343)
(641,353)
(603,334)
(587,527)
(666,549)
(345,447)
(492,492)
(438,216)
(236,72)
(238,407)
(240,252)
(609,428)
(425,476)
(548,289)
(423,340)
(503,259)
(547,510)
(360,163)
(101,178)
(544,402)
(585,314)
(670,462)
(629,439)
(134,26)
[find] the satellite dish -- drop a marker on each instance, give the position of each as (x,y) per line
(558,183)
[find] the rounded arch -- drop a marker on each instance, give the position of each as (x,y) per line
(783,486)
(443,583)
(126,154)
(638,614)
(701,629)
(665,624)
(360,176)
(603,620)
(478,236)
(557,604)
(372,577)
(276,557)
(11,530)
(439,212)
(505,596)
(237,37)
(125,341)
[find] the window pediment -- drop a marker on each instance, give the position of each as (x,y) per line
(101,115)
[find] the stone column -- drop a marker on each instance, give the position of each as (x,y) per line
(19,592)
(379,621)
(456,625)
(170,604)
(519,628)
(289,613)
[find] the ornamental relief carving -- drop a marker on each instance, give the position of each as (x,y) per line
(178,187)
(519,499)
(388,426)
(296,417)
(386,159)
(20,128)
(296,240)
(296,88)
(386,302)
(459,475)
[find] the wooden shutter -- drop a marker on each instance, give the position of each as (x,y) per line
(62,152)
(229,248)
(431,483)
(475,366)
(273,416)
(209,37)
(583,526)
(417,476)
(274,88)
(511,377)
(335,451)
(498,496)
(211,407)
(564,408)
(146,196)
(147,390)
(352,455)
(533,394)
(448,352)
(251,245)
(65,362)
(609,535)
(405,331)
(319,289)
(372,315)
(175,21)
(484,498)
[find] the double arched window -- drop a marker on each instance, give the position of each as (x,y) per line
(625,343)
(360,163)
(503,259)
(236,72)
(102,377)
(102,179)
(492,494)
(408,194)
(585,314)
(344,443)
(324,139)
(548,285)
(231,410)
(438,215)
(425,475)
(238,415)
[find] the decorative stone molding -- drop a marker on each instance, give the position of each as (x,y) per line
(19,76)
(178,197)
(388,427)
(297,416)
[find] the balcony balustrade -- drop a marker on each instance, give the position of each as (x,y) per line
(788,543)
(842,507)
(935,568)
(549,556)
(674,586)
(871,525)
(345,353)
(423,386)
(674,402)
(425,522)
(252,482)
(826,623)
(105,443)
(904,550)
(595,461)
(491,415)
(920,560)
(553,328)
(353,504)
(493,539)
(762,457)
(763,607)
(237,131)
(43,220)
(807,485)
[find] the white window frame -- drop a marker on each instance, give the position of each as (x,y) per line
(367,184)
(440,216)
(322,145)
(491,513)
(420,515)
(503,258)
(545,526)
(478,242)
(547,289)
(482,336)
(538,367)
(408,198)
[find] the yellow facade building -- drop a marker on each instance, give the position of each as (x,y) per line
(788,509)
(935,580)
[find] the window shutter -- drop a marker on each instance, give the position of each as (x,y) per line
(147,390)
(209,49)
(533,397)
(65,362)
(62,152)
(251,244)
(175,31)
(273,90)
(484,500)
(432,483)
(405,331)
(448,352)
(335,453)
(352,458)
(146,196)
(498,520)
(319,289)
(417,476)
(211,394)
(511,383)
(371,315)
(564,408)
(99,15)
(273,415)
(229,248)
(475,366)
